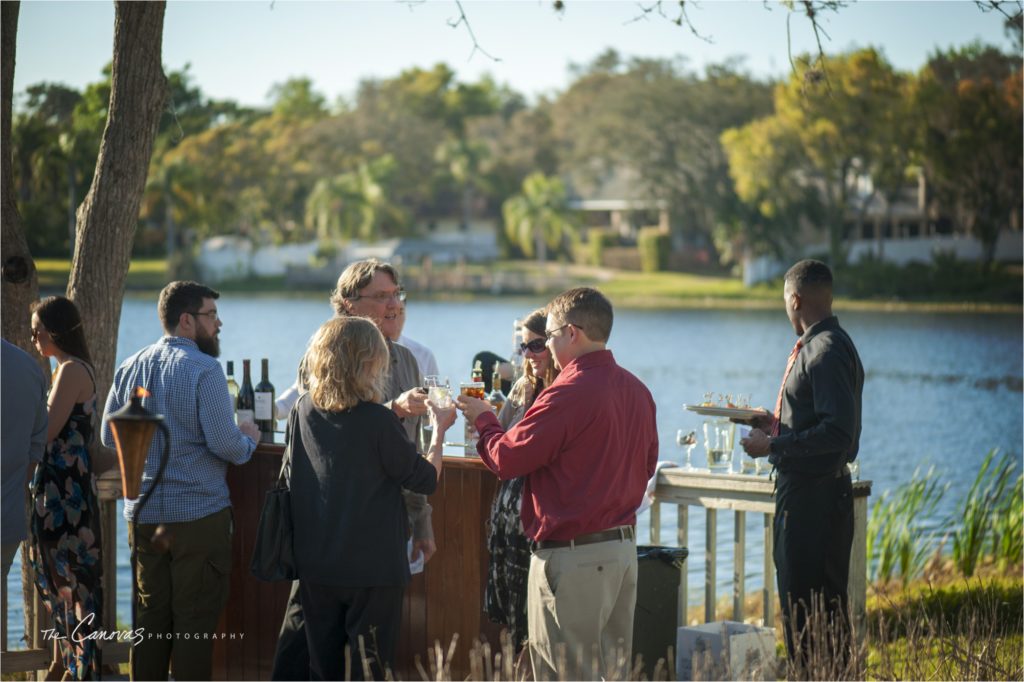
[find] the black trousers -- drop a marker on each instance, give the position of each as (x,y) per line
(813,537)
(291,659)
(332,618)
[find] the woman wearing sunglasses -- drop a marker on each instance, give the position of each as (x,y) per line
(505,596)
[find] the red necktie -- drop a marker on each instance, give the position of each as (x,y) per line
(782,388)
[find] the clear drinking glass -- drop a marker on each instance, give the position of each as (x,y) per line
(719,435)
(687,439)
(439,391)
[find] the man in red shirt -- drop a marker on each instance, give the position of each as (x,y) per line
(587,447)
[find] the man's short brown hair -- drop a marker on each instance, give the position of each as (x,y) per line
(181,297)
(358,276)
(585,308)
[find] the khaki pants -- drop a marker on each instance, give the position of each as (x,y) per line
(181,594)
(580,603)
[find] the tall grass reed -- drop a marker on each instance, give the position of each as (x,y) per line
(898,544)
(990,511)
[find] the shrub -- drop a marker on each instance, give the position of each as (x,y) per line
(598,239)
(654,246)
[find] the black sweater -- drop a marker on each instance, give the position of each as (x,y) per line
(348,471)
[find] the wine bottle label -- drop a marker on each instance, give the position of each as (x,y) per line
(264,405)
(245,416)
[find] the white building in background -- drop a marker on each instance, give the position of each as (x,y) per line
(233,258)
(903,233)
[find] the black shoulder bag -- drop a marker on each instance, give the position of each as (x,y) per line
(273,557)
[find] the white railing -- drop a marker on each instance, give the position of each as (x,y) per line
(742,494)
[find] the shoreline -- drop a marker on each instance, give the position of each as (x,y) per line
(628,290)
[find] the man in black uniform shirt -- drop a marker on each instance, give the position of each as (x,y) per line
(812,435)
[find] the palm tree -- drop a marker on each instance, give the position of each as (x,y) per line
(539,217)
(354,205)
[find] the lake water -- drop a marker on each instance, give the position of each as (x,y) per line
(940,389)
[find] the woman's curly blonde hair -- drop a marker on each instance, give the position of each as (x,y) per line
(346,363)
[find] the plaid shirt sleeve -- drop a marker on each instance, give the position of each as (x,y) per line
(217,419)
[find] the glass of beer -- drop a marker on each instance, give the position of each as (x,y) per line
(473,389)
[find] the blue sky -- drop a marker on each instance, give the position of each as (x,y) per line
(238,50)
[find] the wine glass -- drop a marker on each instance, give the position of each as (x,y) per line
(689,440)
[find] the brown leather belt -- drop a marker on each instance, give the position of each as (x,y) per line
(620,533)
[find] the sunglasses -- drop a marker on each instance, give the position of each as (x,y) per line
(534,346)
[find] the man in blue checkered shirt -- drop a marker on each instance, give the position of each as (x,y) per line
(183,588)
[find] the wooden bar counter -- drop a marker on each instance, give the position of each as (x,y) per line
(446,599)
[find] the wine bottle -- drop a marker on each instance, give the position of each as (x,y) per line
(246,403)
(232,384)
(264,405)
(496,398)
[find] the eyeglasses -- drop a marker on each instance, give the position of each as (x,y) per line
(534,346)
(212,314)
(383,297)
(548,335)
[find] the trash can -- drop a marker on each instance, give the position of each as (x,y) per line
(659,570)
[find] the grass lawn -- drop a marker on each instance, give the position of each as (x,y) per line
(143,274)
(626,289)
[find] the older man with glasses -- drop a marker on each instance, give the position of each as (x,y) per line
(372,289)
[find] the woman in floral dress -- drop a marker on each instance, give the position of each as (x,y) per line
(65,535)
(505,594)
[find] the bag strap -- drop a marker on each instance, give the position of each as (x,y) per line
(285,476)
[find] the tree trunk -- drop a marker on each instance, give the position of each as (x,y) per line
(109,213)
(20,282)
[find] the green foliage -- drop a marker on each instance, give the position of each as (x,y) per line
(656,125)
(654,246)
(832,120)
(539,217)
(979,509)
(945,278)
(598,239)
(1008,527)
(948,604)
(897,544)
(971,137)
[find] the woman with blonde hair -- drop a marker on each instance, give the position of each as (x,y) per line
(505,595)
(351,458)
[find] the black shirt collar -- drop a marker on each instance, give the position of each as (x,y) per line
(829,323)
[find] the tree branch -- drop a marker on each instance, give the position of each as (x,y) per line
(469,29)
(683,19)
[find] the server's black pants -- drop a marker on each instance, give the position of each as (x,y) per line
(813,537)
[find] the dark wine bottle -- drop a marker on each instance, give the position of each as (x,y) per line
(246,404)
(264,396)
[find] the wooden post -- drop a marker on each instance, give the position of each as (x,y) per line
(710,564)
(768,592)
(739,554)
(682,535)
(656,523)
(858,582)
